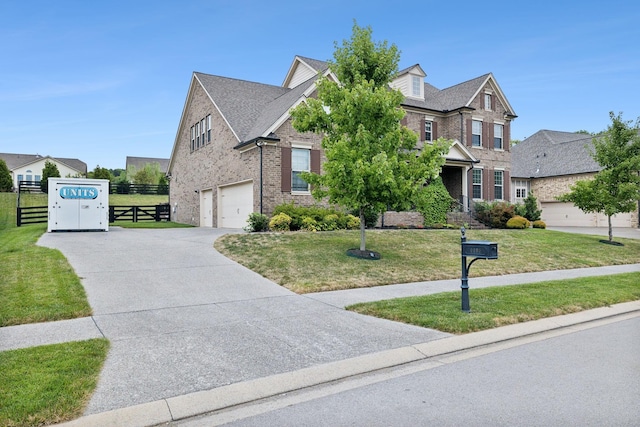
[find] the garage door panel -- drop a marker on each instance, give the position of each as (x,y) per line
(235,204)
(566,215)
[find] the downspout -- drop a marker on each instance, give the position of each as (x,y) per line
(260,144)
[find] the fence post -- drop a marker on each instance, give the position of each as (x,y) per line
(135,214)
(19,217)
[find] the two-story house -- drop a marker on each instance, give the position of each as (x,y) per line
(236,152)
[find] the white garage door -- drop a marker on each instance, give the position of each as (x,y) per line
(235,203)
(567,215)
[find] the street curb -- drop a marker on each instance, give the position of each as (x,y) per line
(198,403)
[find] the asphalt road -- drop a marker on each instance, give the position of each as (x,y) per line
(589,377)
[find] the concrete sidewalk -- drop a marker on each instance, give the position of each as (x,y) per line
(186,322)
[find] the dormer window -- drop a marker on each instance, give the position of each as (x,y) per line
(415,86)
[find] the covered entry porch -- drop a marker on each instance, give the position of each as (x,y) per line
(456,174)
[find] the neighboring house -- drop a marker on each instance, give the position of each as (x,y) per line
(548,163)
(236,152)
(28,167)
(139,163)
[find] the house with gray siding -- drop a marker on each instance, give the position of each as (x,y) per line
(236,152)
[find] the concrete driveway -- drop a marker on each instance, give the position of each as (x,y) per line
(626,232)
(182,318)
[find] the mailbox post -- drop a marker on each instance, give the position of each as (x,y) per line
(479,249)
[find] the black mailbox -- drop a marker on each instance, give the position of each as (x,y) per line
(480,249)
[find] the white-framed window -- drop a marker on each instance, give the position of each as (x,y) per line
(300,162)
(209,128)
(415,85)
(37,179)
(498,185)
(428,126)
(20,178)
(476,133)
(203,130)
(197,134)
(487,101)
(521,188)
(193,138)
(498,131)
(477,184)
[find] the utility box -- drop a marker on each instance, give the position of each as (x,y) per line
(77,204)
(480,249)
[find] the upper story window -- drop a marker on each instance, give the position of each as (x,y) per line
(476,138)
(498,183)
(415,86)
(300,162)
(201,133)
(203,130)
(498,141)
(477,184)
(428,134)
(487,101)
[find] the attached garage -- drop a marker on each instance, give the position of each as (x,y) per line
(235,204)
(561,214)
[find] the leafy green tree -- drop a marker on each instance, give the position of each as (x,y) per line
(371,161)
(6,183)
(50,170)
(616,188)
(100,173)
(434,202)
(149,174)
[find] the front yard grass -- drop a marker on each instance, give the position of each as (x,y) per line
(312,262)
(38,284)
(49,384)
(505,305)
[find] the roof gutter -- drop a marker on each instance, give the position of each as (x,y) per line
(255,141)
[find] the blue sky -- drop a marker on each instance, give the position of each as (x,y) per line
(102,80)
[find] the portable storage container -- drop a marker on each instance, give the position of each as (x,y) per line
(77,204)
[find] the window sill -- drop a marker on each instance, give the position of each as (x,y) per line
(300,193)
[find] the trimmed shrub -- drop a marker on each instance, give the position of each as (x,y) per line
(309,224)
(539,224)
(518,222)
(494,214)
(257,222)
(330,222)
(280,222)
(352,222)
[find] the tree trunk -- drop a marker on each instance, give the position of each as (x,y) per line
(610,228)
(362,228)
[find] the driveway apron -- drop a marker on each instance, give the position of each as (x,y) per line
(182,318)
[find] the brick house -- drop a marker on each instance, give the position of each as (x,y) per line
(236,152)
(28,167)
(548,163)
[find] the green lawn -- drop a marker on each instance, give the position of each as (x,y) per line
(49,384)
(505,305)
(312,262)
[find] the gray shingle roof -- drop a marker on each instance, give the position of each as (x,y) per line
(249,107)
(139,162)
(15,161)
(553,153)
